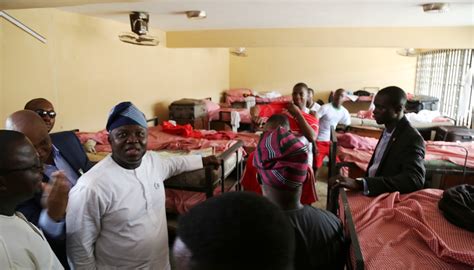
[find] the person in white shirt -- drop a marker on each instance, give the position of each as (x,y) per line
(310,104)
(116,212)
(22,245)
(330,114)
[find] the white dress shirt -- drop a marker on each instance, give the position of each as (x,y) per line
(116,217)
(23,246)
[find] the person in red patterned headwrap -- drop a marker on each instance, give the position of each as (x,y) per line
(281,162)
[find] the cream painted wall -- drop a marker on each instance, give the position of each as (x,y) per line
(323,69)
(84,69)
(329,37)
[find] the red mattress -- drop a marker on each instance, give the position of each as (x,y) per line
(409,232)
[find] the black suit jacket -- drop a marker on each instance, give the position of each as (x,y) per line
(71,149)
(402,166)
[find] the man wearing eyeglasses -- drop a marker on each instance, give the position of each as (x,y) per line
(43,108)
(66,156)
(22,245)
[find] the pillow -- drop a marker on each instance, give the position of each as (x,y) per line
(211,106)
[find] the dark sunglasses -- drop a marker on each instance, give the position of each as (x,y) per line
(44,113)
(34,167)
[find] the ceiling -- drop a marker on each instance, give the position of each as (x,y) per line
(244,14)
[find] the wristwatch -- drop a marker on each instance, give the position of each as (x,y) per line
(360,181)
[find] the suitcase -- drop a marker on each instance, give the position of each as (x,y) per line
(187,108)
(422,102)
(454,134)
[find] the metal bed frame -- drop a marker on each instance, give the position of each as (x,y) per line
(210,184)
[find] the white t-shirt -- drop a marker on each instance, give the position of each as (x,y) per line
(315,107)
(23,246)
(116,217)
(330,116)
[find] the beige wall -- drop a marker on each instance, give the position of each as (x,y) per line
(323,69)
(402,37)
(84,69)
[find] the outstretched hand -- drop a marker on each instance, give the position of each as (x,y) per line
(55,196)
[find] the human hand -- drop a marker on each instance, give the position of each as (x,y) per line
(293,109)
(345,182)
(55,196)
(89,146)
(211,161)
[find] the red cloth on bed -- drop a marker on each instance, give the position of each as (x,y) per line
(409,232)
(181,130)
(249,182)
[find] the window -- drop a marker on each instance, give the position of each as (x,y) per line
(447,75)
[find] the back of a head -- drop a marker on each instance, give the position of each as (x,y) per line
(237,230)
(9,140)
(277,120)
(395,95)
(26,122)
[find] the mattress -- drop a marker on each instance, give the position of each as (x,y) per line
(355,121)
(409,232)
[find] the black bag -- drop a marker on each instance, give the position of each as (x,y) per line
(454,133)
(457,206)
(421,102)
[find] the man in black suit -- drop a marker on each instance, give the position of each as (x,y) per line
(397,163)
(64,161)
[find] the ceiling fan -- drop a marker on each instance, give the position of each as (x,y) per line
(239,52)
(408,52)
(139,34)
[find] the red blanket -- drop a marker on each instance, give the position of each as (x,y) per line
(409,232)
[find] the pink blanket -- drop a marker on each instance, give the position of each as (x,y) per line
(231,99)
(158,140)
(358,149)
(409,232)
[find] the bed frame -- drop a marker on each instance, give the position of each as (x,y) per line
(211,182)
(334,197)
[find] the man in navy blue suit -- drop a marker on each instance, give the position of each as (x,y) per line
(64,161)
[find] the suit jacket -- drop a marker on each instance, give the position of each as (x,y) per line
(402,166)
(71,149)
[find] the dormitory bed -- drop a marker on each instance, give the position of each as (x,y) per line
(405,231)
(187,189)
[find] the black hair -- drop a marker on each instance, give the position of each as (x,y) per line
(311,90)
(30,105)
(300,85)
(237,230)
(278,120)
(8,142)
(396,96)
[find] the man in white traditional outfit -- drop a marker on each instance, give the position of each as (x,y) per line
(22,245)
(116,213)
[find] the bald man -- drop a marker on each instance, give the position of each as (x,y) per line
(44,109)
(66,156)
